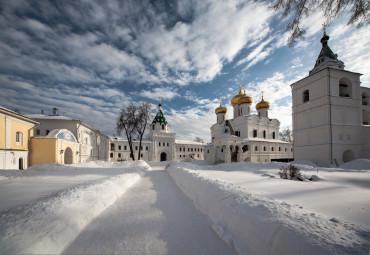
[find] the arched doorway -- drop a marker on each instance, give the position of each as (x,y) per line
(68,156)
(163,156)
(348,155)
(21,164)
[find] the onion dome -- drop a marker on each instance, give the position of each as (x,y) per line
(220,109)
(263,104)
(235,99)
(245,99)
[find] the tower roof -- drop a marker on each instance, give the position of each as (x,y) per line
(235,99)
(262,104)
(220,109)
(326,57)
(159,117)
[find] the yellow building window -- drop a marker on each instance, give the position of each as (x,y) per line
(19,138)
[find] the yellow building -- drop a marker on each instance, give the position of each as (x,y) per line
(15,132)
(60,146)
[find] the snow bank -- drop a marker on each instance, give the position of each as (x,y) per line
(51,223)
(107,164)
(257,225)
(360,164)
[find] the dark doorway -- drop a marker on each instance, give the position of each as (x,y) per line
(21,164)
(68,156)
(163,156)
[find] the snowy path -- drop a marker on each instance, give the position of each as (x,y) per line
(153,217)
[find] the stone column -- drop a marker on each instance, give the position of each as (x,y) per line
(227,155)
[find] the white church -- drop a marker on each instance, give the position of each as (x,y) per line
(160,145)
(330,113)
(247,137)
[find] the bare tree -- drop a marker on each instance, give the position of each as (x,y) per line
(359,11)
(134,120)
(286,135)
(127,121)
(198,139)
(142,121)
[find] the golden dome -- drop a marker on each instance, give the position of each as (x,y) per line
(262,104)
(235,99)
(220,109)
(245,99)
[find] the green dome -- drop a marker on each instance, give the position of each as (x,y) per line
(159,118)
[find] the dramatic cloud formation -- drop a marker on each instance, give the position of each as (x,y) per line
(89,58)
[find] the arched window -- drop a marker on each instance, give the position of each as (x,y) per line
(272,148)
(245,148)
(306,96)
(345,88)
(365,99)
(273,135)
(279,148)
(264,148)
(255,148)
(255,133)
(153,126)
(365,117)
(162,126)
(264,134)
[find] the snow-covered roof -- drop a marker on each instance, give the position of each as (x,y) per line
(224,135)
(188,142)
(17,115)
(48,117)
(264,140)
(64,134)
(122,139)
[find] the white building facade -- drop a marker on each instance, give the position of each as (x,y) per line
(93,145)
(160,145)
(330,113)
(247,137)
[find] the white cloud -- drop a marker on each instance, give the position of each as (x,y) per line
(166,93)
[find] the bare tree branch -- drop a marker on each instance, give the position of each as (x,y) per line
(359,11)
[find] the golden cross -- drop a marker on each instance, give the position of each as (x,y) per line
(220,101)
(240,86)
(324,28)
(262,94)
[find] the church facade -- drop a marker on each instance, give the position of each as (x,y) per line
(247,137)
(330,113)
(160,145)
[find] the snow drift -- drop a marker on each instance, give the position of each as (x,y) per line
(255,224)
(49,224)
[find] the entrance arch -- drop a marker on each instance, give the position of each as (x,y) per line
(21,164)
(68,156)
(348,155)
(163,156)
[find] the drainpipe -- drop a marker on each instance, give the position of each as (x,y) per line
(330,125)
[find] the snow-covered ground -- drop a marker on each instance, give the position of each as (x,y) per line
(135,207)
(257,212)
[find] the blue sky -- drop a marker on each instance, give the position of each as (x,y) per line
(89,58)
